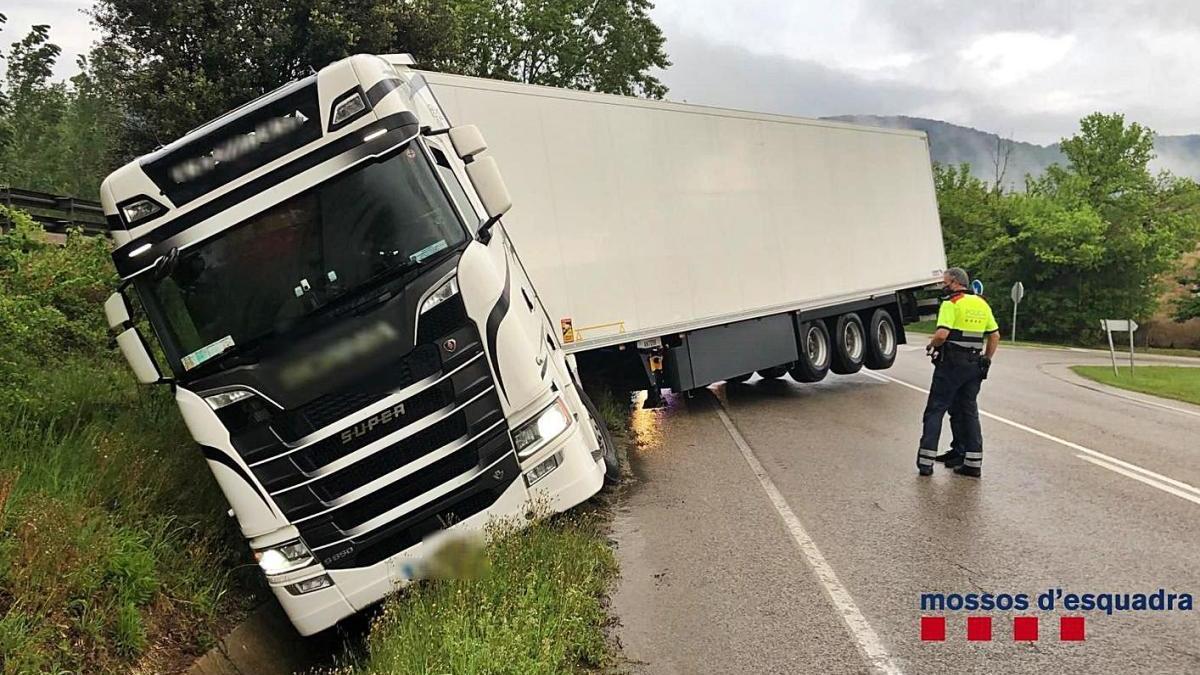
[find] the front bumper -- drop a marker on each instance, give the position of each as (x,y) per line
(575,480)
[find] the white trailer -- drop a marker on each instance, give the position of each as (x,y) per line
(648,221)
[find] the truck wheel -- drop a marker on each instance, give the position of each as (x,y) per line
(738,379)
(849,345)
(604,440)
(813,365)
(773,373)
(881,340)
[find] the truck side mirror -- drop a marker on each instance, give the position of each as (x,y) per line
(138,356)
(490,187)
(116,311)
(467,141)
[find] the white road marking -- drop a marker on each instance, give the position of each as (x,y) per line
(1164,483)
(1148,481)
(868,642)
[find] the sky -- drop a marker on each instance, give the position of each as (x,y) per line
(1026,69)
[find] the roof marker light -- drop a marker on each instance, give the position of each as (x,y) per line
(347,109)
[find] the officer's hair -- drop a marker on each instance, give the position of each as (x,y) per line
(959,275)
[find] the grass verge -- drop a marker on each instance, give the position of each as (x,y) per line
(538,607)
(113,556)
(1181,383)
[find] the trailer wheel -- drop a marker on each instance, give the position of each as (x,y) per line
(881,340)
(604,439)
(738,379)
(813,365)
(849,345)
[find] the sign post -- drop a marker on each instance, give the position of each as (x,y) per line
(1110,326)
(1018,292)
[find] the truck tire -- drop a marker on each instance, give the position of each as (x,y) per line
(849,345)
(738,379)
(813,365)
(612,461)
(881,340)
(773,373)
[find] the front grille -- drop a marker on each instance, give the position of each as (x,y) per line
(325,410)
(455,512)
(415,407)
(385,461)
(415,485)
(457,506)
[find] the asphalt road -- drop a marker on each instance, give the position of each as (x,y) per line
(817,564)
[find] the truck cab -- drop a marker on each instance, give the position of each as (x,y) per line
(348,331)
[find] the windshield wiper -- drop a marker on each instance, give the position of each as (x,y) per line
(368,292)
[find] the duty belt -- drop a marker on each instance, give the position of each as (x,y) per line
(962,348)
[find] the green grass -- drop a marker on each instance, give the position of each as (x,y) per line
(537,608)
(921,326)
(113,554)
(1176,382)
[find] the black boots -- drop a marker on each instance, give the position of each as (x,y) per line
(951,458)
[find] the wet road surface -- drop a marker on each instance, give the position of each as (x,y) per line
(818,562)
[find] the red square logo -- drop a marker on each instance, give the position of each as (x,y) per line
(933,628)
(1070,628)
(979,628)
(1025,628)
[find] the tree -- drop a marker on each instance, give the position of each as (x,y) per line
(54,136)
(1091,240)
(179,64)
(600,45)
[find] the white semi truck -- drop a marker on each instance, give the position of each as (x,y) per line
(368,355)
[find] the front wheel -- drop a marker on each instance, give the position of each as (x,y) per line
(604,441)
(738,379)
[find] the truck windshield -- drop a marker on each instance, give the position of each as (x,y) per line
(327,245)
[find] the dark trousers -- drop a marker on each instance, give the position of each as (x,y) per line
(954,389)
(956,428)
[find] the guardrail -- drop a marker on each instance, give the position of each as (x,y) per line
(56,213)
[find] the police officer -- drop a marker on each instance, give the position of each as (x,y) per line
(963,346)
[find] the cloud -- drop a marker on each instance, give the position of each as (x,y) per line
(734,77)
(1008,57)
(1022,68)
(69,28)
(1025,68)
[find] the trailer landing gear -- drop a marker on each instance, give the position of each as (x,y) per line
(653,362)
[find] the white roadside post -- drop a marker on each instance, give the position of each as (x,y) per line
(1118,325)
(1018,292)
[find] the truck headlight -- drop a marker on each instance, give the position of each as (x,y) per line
(443,293)
(283,558)
(541,428)
(140,210)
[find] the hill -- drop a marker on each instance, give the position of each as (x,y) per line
(955,144)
